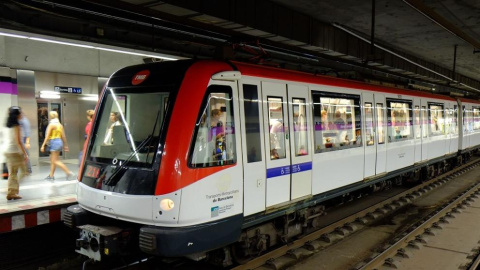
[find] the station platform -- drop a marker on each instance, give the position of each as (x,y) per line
(43,201)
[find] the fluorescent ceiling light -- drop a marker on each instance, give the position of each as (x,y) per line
(83,45)
(50,96)
(89,97)
(12,35)
(134,53)
(49,92)
(61,42)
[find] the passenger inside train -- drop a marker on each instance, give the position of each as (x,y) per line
(214,142)
(115,119)
(339,122)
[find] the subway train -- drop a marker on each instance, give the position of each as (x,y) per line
(199,158)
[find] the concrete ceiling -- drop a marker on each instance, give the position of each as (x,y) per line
(404,25)
(415,40)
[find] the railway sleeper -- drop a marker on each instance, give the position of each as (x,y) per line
(316,245)
(281,262)
(403,253)
(390,262)
(299,253)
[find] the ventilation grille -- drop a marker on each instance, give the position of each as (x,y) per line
(68,219)
(148,242)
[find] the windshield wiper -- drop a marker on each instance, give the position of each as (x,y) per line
(121,169)
(153,132)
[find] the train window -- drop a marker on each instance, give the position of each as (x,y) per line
(300,134)
(436,119)
(448,121)
(467,120)
(399,121)
(214,139)
(276,127)
(369,128)
(337,119)
(424,122)
(121,134)
(380,123)
(251,104)
(417,126)
(476,118)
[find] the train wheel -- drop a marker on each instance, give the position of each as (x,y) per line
(240,254)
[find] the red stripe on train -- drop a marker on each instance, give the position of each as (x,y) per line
(174,172)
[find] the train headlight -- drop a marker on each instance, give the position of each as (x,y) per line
(167,204)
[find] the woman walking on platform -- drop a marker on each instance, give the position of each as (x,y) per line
(15,153)
(56,135)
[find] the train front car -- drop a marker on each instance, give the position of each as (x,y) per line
(160,173)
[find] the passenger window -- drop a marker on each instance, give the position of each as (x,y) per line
(399,121)
(476,118)
(214,139)
(380,123)
(300,134)
(369,128)
(437,120)
(337,121)
(252,123)
(276,127)
(424,122)
(448,120)
(467,120)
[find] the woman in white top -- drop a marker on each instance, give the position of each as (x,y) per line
(15,153)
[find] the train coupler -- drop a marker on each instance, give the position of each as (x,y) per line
(97,242)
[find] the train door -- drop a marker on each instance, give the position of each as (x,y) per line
(370,143)
(424,116)
(381,124)
(449,128)
(417,130)
(277,144)
(375,149)
(466,127)
(253,147)
(299,114)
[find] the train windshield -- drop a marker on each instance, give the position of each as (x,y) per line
(128,126)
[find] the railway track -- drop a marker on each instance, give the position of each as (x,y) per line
(329,237)
(407,243)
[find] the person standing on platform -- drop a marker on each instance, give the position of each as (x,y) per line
(88,129)
(25,131)
(16,153)
(55,134)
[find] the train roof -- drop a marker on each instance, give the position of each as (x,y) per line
(467,100)
(298,76)
(165,69)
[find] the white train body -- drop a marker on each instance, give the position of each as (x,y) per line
(283,138)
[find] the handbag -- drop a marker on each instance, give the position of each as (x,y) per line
(47,146)
(5,171)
